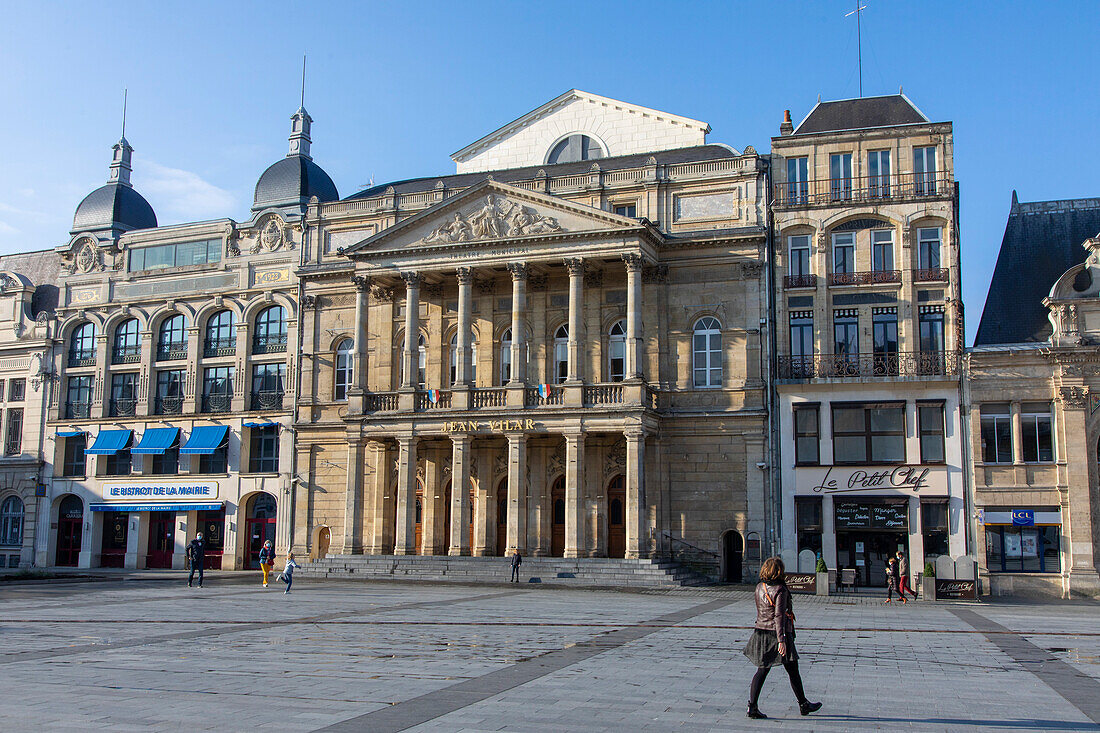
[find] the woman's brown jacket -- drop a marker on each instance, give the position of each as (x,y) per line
(773,610)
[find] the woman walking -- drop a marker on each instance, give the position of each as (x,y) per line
(267,559)
(903,577)
(772,641)
(892,581)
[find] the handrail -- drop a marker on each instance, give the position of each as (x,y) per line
(688,544)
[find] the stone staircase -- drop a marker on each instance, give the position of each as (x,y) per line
(586,572)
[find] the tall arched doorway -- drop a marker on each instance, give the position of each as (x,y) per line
(557,518)
(616,520)
(324,537)
(502,517)
(733,549)
(259,526)
(418,524)
(70,523)
(447,518)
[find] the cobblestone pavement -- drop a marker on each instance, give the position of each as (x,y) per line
(150,654)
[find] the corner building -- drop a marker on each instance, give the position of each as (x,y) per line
(869,331)
(558,349)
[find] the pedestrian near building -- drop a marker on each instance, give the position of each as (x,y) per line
(267,559)
(903,577)
(196,558)
(892,581)
(516,562)
(772,640)
(287,576)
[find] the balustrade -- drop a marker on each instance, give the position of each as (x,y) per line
(123,408)
(216,402)
(825,191)
(380,401)
(268,399)
(220,347)
(555,395)
(495,397)
(603,394)
(856,366)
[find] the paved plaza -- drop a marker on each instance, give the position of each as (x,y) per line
(147,654)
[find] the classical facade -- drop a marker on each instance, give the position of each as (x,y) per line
(1032,390)
(868,456)
(175,375)
(556,350)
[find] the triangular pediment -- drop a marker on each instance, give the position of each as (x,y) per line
(494,212)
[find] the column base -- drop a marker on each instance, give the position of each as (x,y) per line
(458,552)
(482,552)
(404,551)
(352,549)
(574,555)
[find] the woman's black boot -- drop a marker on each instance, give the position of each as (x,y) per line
(754,712)
(806,707)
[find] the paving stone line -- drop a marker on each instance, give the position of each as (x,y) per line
(232,629)
(1080,690)
(432,705)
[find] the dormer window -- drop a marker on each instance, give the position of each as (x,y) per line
(574,148)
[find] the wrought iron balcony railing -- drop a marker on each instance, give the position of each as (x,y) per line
(75,410)
(219,347)
(874,277)
(172,351)
(857,366)
(217,402)
(267,399)
(273,344)
(799,281)
(82,357)
(826,191)
(123,407)
(930,275)
(169,405)
(126,354)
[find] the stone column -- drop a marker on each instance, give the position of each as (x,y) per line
(382,505)
(519,332)
(1017,434)
(636,545)
(358,384)
(517,493)
(484,542)
(460,495)
(634,359)
(576,322)
(133,542)
(1077,531)
(410,353)
(574,496)
(462,368)
(828,534)
(353,499)
(405,539)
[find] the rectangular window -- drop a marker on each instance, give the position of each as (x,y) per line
(807,436)
(629,210)
(267,386)
(844,253)
(123,394)
(878,173)
(169,398)
(846,333)
(175,255)
(934,527)
(996,423)
(808,513)
(1022,549)
(884,330)
(869,433)
(217,389)
(882,250)
(924,171)
(1036,423)
(118,463)
(263,454)
(798,175)
(799,262)
(13,440)
(168,462)
(216,462)
(928,247)
(840,176)
(802,344)
(931,425)
(17,390)
(78,400)
(73,464)
(931,330)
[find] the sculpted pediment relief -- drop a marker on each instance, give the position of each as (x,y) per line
(499,217)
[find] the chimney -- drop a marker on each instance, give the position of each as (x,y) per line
(786,128)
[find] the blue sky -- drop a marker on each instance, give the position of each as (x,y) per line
(394,88)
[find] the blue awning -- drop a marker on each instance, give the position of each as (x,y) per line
(156,440)
(155,507)
(69,433)
(205,439)
(263,424)
(109,442)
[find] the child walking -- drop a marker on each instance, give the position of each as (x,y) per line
(287,576)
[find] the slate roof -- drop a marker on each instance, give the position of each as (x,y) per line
(113,205)
(1042,240)
(858,114)
(464,180)
(43,269)
(293,181)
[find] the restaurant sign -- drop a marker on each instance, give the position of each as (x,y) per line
(896,479)
(162,492)
(962,589)
(801,582)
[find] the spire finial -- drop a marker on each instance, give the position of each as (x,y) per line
(300,123)
(124,92)
(303,105)
(122,153)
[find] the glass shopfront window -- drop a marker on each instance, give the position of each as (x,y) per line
(808,512)
(1010,549)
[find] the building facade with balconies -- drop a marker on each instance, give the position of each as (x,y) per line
(868,329)
(174,364)
(558,350)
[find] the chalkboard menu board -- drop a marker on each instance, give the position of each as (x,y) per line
(856,515)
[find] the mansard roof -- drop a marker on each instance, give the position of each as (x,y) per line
(1042,240)
(862,113)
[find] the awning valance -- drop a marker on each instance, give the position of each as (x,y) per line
(205,439)
(156,440)
(109,442)
(69,433)
(261,424)
(213,506)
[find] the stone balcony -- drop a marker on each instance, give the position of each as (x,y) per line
(637,395)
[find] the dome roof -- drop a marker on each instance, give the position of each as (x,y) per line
(114,205)
(293,181)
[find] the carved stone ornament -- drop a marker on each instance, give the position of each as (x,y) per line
(231,248)
(7,281)
(616,457)
(88,258)
(309,301)
(655,274)
(751,269)
(380,294)
(497,218)
(271,237)
(1073,397)
(500,464)
(555,465)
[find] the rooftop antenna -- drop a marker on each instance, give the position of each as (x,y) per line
(124,91)
(303,81)
(859,42)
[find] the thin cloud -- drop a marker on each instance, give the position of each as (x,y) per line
(181,195)
(6,228)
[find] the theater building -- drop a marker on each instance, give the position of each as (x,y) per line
(1032,394)
(868,328)
(175,375)
(557,349)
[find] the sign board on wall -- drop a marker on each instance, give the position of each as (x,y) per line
(896,479)
(801,582)
(162,492)
(860,515)
(964,589)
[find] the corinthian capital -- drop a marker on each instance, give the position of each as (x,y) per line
(633,262)
(465,275)
(362,283)
(412,279)
(575,265)
(518,270)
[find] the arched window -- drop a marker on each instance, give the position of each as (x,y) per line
(561,354)
(221,338)
(707,353)
(344,365)
(574,148)
(616,352)
(421,361)
(172,340)
(270,336)
(127,343)
(262,506)
(506,357)
(454,358)
(82,345)
(11,521)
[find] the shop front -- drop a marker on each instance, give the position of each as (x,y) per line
(1023,548)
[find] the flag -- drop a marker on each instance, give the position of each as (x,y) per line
(544,391)
(433,396)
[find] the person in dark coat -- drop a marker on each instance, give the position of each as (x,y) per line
(772,639)
(516,562)
(892,581)
(196,556)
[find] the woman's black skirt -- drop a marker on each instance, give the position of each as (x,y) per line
(762,649)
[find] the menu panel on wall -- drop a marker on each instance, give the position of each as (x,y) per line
(858,515)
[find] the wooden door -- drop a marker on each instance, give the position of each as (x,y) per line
(418,530)
(616,519)
(161,540)
(70,523)
(446,519)
(557,519)
(473,504)
(323,539)
(502,525)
